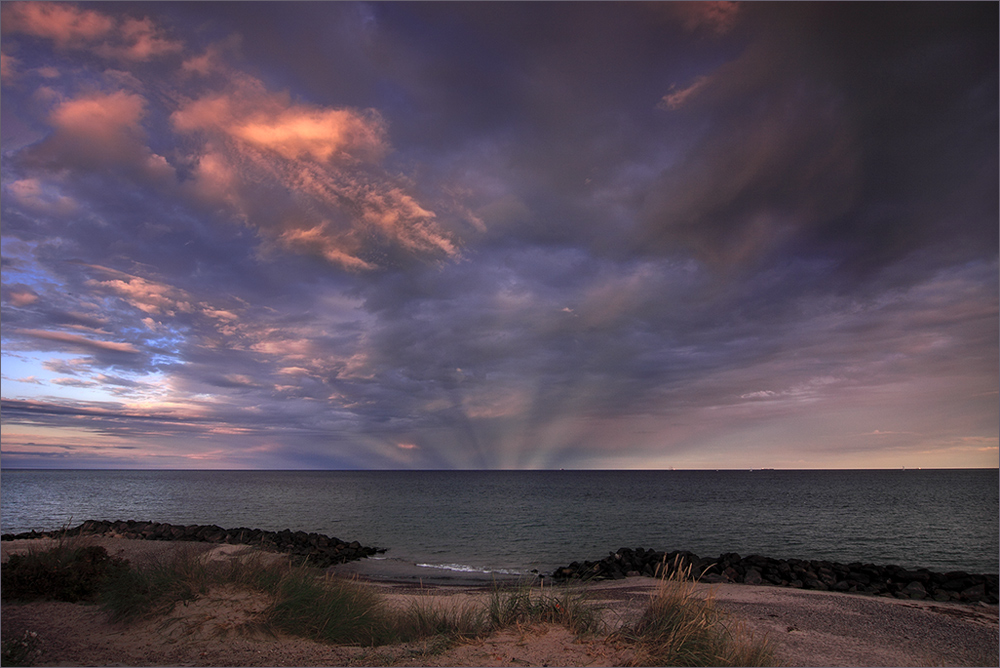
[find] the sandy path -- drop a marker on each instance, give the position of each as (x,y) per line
(808,628)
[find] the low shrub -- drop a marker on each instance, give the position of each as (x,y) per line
(64,573)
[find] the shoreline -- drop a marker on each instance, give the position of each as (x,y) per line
(371,563)
(808,627)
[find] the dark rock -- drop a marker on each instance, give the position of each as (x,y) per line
(752,577)
(860,578)
(975,593)
(914,590)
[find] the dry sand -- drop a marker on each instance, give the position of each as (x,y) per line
(807,628)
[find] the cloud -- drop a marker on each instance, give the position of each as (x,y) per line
(70,27)
(22,298)
(148,296)
(65,24)
(95,131)
(77,342)
(139,40)
(8,68)
(327,196)
(717,17)
(675,99)
(41,197)
(498,251)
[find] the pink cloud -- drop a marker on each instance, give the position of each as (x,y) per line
(8,67)
(41,197)
(148,296)
(141,41)
(675,99)
(23,298)
(95,130)
(719,17)
(76,341)
(135,40)
(100,130)
(65,24)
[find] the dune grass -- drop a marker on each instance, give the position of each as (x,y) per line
(680,627)
(66,572)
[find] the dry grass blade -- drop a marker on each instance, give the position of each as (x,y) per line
(681,627)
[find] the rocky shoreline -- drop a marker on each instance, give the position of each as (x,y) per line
(316,549)
(888,581)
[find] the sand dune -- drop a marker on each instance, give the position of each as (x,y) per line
(807,628)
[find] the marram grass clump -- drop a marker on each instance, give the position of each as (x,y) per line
(682,628)
(65,573)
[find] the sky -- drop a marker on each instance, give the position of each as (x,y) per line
(499,236)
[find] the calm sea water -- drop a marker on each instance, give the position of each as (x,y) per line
(514,521)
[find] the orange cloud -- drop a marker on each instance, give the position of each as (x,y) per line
(319,134)
(325,193)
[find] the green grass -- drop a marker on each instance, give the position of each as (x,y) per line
(682,628)
(330,610)
(521,604)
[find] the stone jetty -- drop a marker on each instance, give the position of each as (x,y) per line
(890,581)
(315,548)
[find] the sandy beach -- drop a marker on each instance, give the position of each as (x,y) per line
(807,628)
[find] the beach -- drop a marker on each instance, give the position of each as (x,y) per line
(807,628)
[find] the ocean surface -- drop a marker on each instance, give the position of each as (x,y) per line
(513,521)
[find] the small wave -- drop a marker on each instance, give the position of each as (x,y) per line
(463,568)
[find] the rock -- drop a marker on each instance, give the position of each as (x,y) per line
(860,578)
(975,593)
(752,577)
(914,590)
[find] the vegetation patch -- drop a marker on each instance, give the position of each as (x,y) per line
(678,627)
(682,628)
(63,573)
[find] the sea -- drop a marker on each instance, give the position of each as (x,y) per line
(517,522)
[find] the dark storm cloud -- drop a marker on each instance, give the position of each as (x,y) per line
(859,133)
(499,234)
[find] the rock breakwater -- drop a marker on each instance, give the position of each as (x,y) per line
(891,581)
(315,548)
